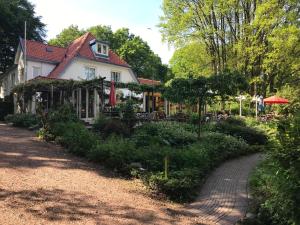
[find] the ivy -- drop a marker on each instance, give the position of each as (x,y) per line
(30,88)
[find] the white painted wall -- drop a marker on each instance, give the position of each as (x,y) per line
(45,68)
(76,70)
(8,82)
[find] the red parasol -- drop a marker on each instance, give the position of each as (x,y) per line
(112,95)
(275,100)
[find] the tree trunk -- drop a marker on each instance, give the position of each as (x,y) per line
(199,117)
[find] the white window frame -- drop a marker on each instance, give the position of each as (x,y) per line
(87,74)
(112,76)
(34,68)
(101,47)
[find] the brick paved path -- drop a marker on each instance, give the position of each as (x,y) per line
(223,198)
(40,183)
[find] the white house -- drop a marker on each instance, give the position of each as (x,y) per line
(84,59)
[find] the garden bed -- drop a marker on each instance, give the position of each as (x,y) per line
(167,156)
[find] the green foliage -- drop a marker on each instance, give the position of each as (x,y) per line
(75,137)
(66,36)
(128,116)
(115,126)
(109,126)
(275,184)
(234,81)
(164,133)
(250,135)
(115,153)
(22,120)
(12,17)
(259,39)
(183,90)
(190,165)
(192,59)
(100,122)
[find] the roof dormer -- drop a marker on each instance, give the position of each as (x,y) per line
(100,48)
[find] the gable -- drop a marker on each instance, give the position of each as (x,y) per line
(76,70)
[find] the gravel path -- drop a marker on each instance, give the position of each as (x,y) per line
(40,183)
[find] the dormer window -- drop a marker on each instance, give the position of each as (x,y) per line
(102,49)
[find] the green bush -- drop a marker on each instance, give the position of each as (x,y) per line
(128,114)
(190,165)
(100,122)
(165,133)
(75,137)
(54,119)
(275,185)
(250,135)
(116,153)
(110,126)
(22,120)
(177,186)
(65,113)
(115,127)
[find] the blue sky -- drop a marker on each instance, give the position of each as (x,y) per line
(137,15)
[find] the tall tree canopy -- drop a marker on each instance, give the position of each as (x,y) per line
(191,60)
(133,49)
(244,35)
(66,36)
(13,13)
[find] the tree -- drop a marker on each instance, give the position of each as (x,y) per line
(12,17)
(103,33)
(227,84)
(191,59)
(189,91)
(240,35)
(141,58)
(67,35)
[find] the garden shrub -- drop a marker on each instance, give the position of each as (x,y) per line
(275,185)
(100,122)
(22,120)
(128,114)
(177,186)
(116,153)
(115,127)
(250,135)
(110,126)
(75,137)
(165,133)
(189,165)
(54,119)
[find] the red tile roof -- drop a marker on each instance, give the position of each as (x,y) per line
(149,81)
(40,51)
(63,56)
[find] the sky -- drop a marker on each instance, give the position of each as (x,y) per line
(140,16)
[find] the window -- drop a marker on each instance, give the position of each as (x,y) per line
(90,73)
(102,49)
(115,76)
(36,71)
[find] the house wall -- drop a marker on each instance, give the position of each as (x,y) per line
(8,82)
(76,70)
(45,68)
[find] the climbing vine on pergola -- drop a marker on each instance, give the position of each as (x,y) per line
(30,88)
